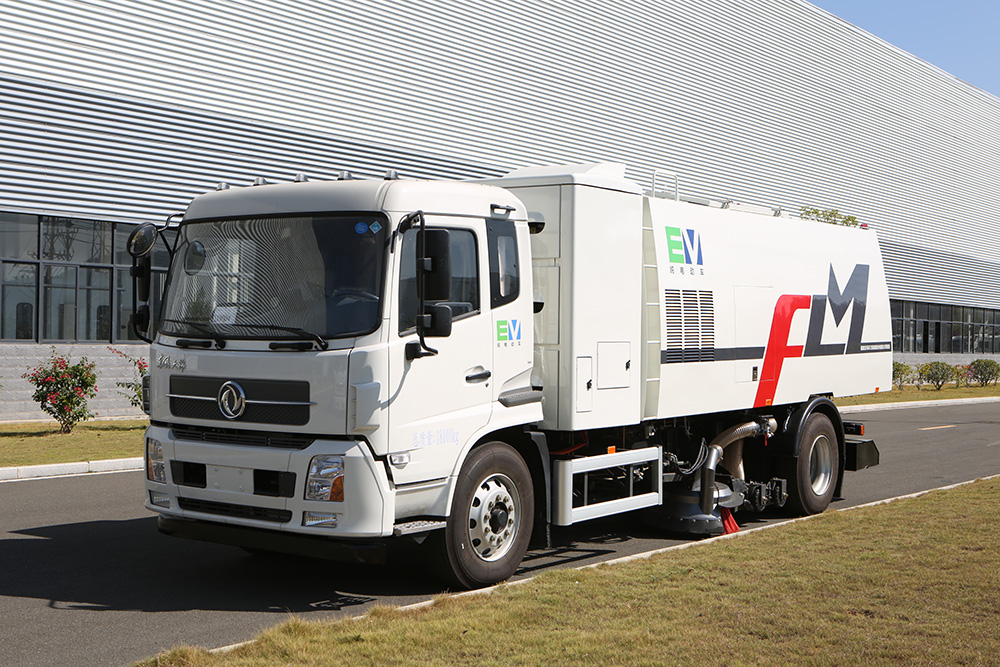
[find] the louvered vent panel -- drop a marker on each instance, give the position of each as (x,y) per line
(675,325)
(706,311)
(690,325)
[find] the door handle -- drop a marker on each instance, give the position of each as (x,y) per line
(478,377)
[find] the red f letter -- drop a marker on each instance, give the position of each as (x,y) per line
(777,346)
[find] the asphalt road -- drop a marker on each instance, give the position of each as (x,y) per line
(85,579)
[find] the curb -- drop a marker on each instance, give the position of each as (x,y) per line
(874,407)
(62,469)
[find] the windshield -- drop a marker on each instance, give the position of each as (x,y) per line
(276,277)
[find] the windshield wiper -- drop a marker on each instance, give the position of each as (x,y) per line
(220,342)
(309,335)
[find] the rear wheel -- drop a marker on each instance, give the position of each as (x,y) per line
(817,467)
(491,519)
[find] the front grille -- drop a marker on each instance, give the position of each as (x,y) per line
(231,436)
(237,511)
(267,401)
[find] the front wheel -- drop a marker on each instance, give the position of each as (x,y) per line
(492,516)
(814,474)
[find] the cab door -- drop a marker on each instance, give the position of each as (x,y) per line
(437,403)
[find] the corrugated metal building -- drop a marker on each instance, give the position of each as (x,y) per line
(113,113)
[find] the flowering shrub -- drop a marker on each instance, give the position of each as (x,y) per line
(963,376)
(984,371)
(133,389)
(62,389)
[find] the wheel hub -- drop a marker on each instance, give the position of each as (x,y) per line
(498,518)
(821,465)
(494,517)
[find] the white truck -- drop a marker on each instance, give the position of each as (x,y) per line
(338,364)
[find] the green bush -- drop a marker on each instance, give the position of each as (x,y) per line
(936,373)
(62,389)
(984,371)
(901,374)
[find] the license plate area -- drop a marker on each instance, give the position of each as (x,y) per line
(231,479)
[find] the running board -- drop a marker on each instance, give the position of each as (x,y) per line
(415,527)
(575,474)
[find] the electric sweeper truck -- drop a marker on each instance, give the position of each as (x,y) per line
(339,364)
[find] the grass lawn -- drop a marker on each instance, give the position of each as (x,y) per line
(915,582)
(34,443)
(925,393)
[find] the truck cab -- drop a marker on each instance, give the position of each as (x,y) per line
(328,352)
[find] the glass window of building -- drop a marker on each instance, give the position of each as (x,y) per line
(18,297)
(18,236)
(77,241)
(59,297)
(94,304)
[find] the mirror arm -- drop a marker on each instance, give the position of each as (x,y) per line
(425,350)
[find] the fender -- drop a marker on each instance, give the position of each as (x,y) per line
(793,425)
(511,428)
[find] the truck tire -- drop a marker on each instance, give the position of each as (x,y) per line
(492,516)
(813,474)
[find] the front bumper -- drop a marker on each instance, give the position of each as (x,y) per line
(263,488)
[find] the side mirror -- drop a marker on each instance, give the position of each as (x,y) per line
(140,246)
(140,318)
(435,264)
(436,322)
(141,240)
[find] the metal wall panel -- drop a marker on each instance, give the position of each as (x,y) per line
(766,101)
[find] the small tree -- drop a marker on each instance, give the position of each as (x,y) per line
(831,216)
(936,373)
(133,389)
(900,374)
(984,371)
(963,376)
(62,389)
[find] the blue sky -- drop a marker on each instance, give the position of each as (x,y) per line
(961,37)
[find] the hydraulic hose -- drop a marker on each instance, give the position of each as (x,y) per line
(715,449)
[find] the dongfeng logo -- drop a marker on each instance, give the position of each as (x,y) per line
(232,400)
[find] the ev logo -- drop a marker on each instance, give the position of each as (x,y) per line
(508,330)
(684,246)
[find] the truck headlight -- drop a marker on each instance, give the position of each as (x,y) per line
(156,469)
(326,478)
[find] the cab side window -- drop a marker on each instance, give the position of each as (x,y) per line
(464,300)
(505,281)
